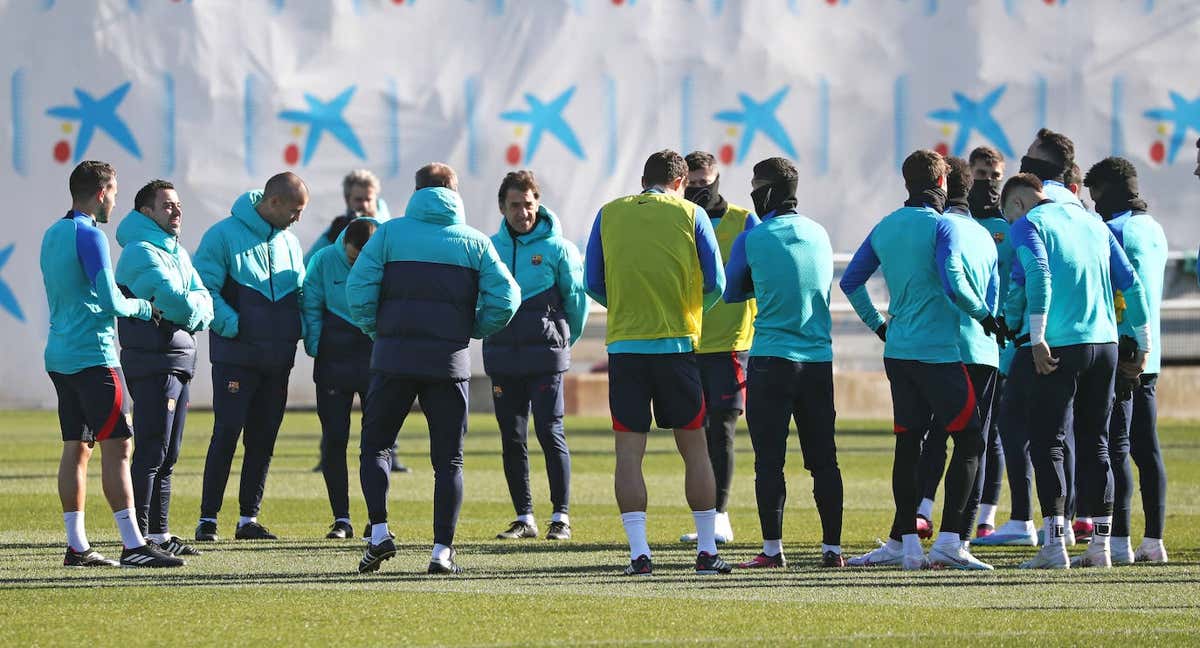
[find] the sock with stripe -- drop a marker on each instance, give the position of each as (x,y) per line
(131,534)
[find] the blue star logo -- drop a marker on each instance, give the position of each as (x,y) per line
(92,113)
(543,118)
(759,116)
(1182,114)
(323,116)
(8,301)
(975,116)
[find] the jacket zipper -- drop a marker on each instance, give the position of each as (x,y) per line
(271,265)
(516,336)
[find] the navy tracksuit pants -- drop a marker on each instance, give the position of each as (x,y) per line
(1133,434)
(389,402)
(248,403)
(514,398)
(778,392)
(333,408)
(160,405)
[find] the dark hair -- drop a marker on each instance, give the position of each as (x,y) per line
(1059,146)
(146,195)
(522,180)
(986,153)
(1072,176)
(776,169)
(663,167)
(88,178)
(1110,170)
(958,177)
(922,168)
(359,230)
(700,160)
(1021,180)
(436,174)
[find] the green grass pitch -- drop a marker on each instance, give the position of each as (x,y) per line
(304,590)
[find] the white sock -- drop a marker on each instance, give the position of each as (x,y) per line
(947,539)
(894,546)
(346,520)
(912,545)
(925,510)
(837,549)
(561,517)
(243,520)
(1054,527)
(1101,531)
(773,547)
(76,537)
(987,514)
(158,538)
(213,520)
(441,553)
(527,518)
(131,535)
(635,529)
(379,533)
(706,531)
(1122,542)
(1152,543)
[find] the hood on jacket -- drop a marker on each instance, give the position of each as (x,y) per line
(244,210)
(137,227)
(436,205)
(546,226)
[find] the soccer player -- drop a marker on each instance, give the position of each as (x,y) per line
(653,261)
(725,336)
(159,356)
(81,358)
(1133,429)
(917,250)
(526,359)
(254,269)
(343,360)
(423,286)
(1071,263)
(979,352)
(787,264)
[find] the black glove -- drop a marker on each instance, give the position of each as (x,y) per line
(1008,333)
(882,332)
(995,329)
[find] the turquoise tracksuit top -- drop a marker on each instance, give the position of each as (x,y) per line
(83,296)
(1015,305)
(1145,244)
(918,251)
(1070,263)
(786,263)
(1005,257)
(325,289)
(977,253)
(558,266)
(154,263)
(248,250)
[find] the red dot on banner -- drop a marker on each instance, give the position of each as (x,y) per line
(831,3)
(291,154)
(726,154)
(1158,152)
(618,2)
(1049,2)
(942,149)
(513,154)
(399,2)
(62,151)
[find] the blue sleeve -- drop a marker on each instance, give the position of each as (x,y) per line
(570,287)
(594,265)
(92,247)
(711,265)
(992,298)
(312,305)
(364,280)
(1035,266)
(752,221)
(862,265)
(739,286)
(211,263)
(499,294)
(949,260)
(1125,279)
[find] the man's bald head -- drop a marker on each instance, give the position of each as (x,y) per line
(284,198)
(436,174)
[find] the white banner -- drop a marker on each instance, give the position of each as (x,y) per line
(217,95)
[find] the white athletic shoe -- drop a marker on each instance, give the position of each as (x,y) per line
(1049,558)
(955,557)
(915,562)
(1121,551)
(1013,533)
(724,528)
(1094,556)
(882,556)
(1150,551)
